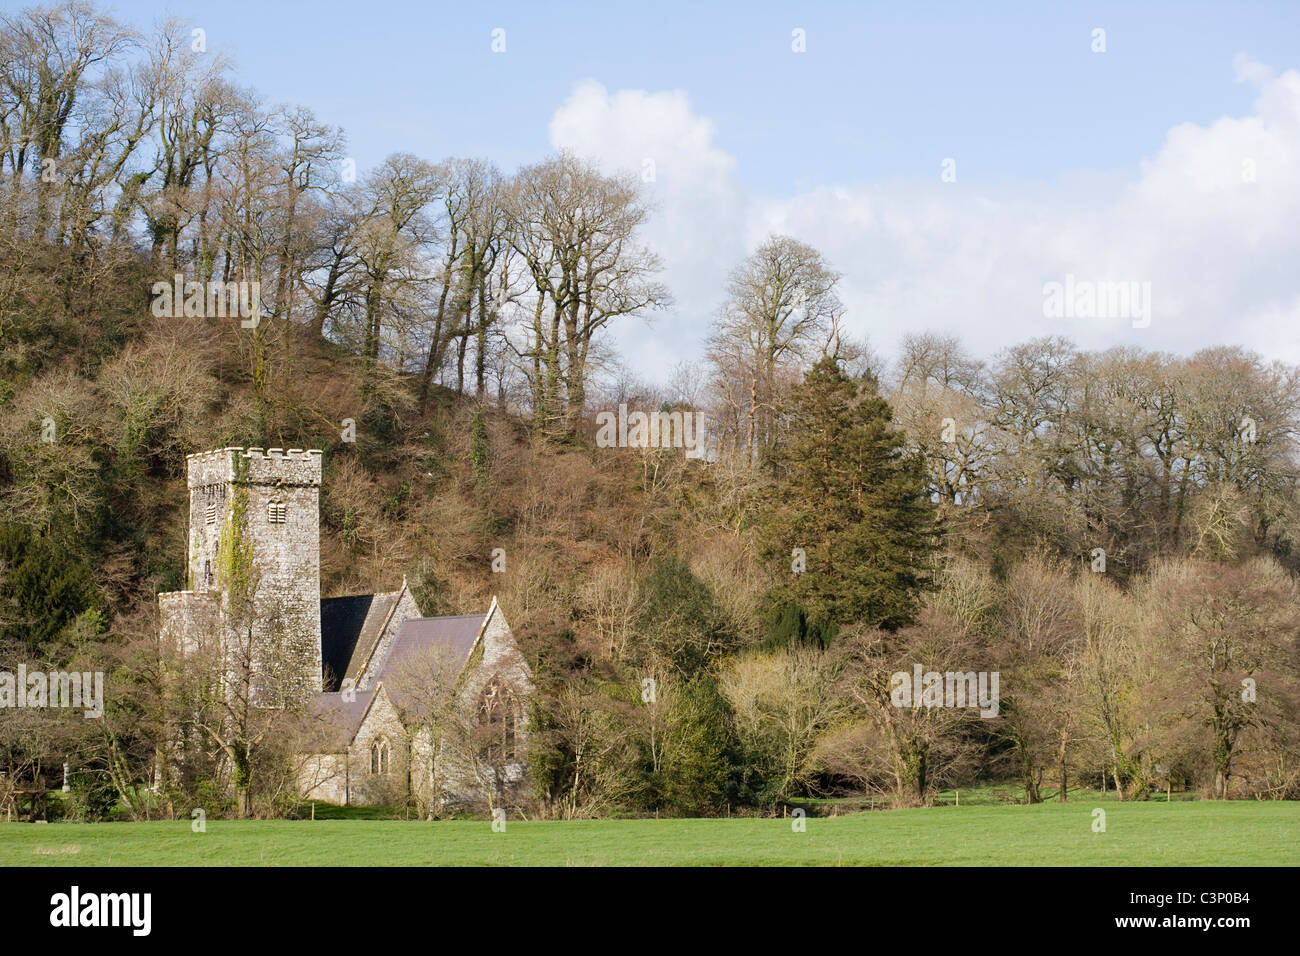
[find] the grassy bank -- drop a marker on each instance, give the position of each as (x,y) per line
(1137,834)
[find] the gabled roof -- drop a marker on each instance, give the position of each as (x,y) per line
(421,651)
(350,627)
(455,634)
(420,639)
(342,714)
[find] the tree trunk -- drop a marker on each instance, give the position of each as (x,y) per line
(1028,778)
(480,344)
(241,773)
(1060,764)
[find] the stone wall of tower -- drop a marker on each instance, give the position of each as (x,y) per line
(280,494)
(190,621)
(210,475)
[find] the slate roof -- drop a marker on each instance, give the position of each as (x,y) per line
(342,717)
(419,635)
(350,632)
(349,628)
(418,639)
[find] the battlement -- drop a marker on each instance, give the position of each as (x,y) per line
(253,466)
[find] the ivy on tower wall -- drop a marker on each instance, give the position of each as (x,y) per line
(235,552)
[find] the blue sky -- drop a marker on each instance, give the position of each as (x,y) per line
(1014,89)
(1013,92)
(882,90)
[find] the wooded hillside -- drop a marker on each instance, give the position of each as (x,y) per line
(1115,533)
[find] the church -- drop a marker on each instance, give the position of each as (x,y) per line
(399,707)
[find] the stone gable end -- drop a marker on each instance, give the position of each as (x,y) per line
(497,654)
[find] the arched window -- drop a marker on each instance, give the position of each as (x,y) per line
(379,756)
(499,721)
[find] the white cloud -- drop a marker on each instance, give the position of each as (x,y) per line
(698,206)
(1218,248)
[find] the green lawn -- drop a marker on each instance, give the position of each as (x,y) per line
(1194,833)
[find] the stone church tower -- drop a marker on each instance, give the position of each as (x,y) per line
(363,664)
(254,523)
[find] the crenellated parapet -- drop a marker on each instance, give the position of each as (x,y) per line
(254,466)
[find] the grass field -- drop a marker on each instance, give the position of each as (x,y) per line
(1141,834)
